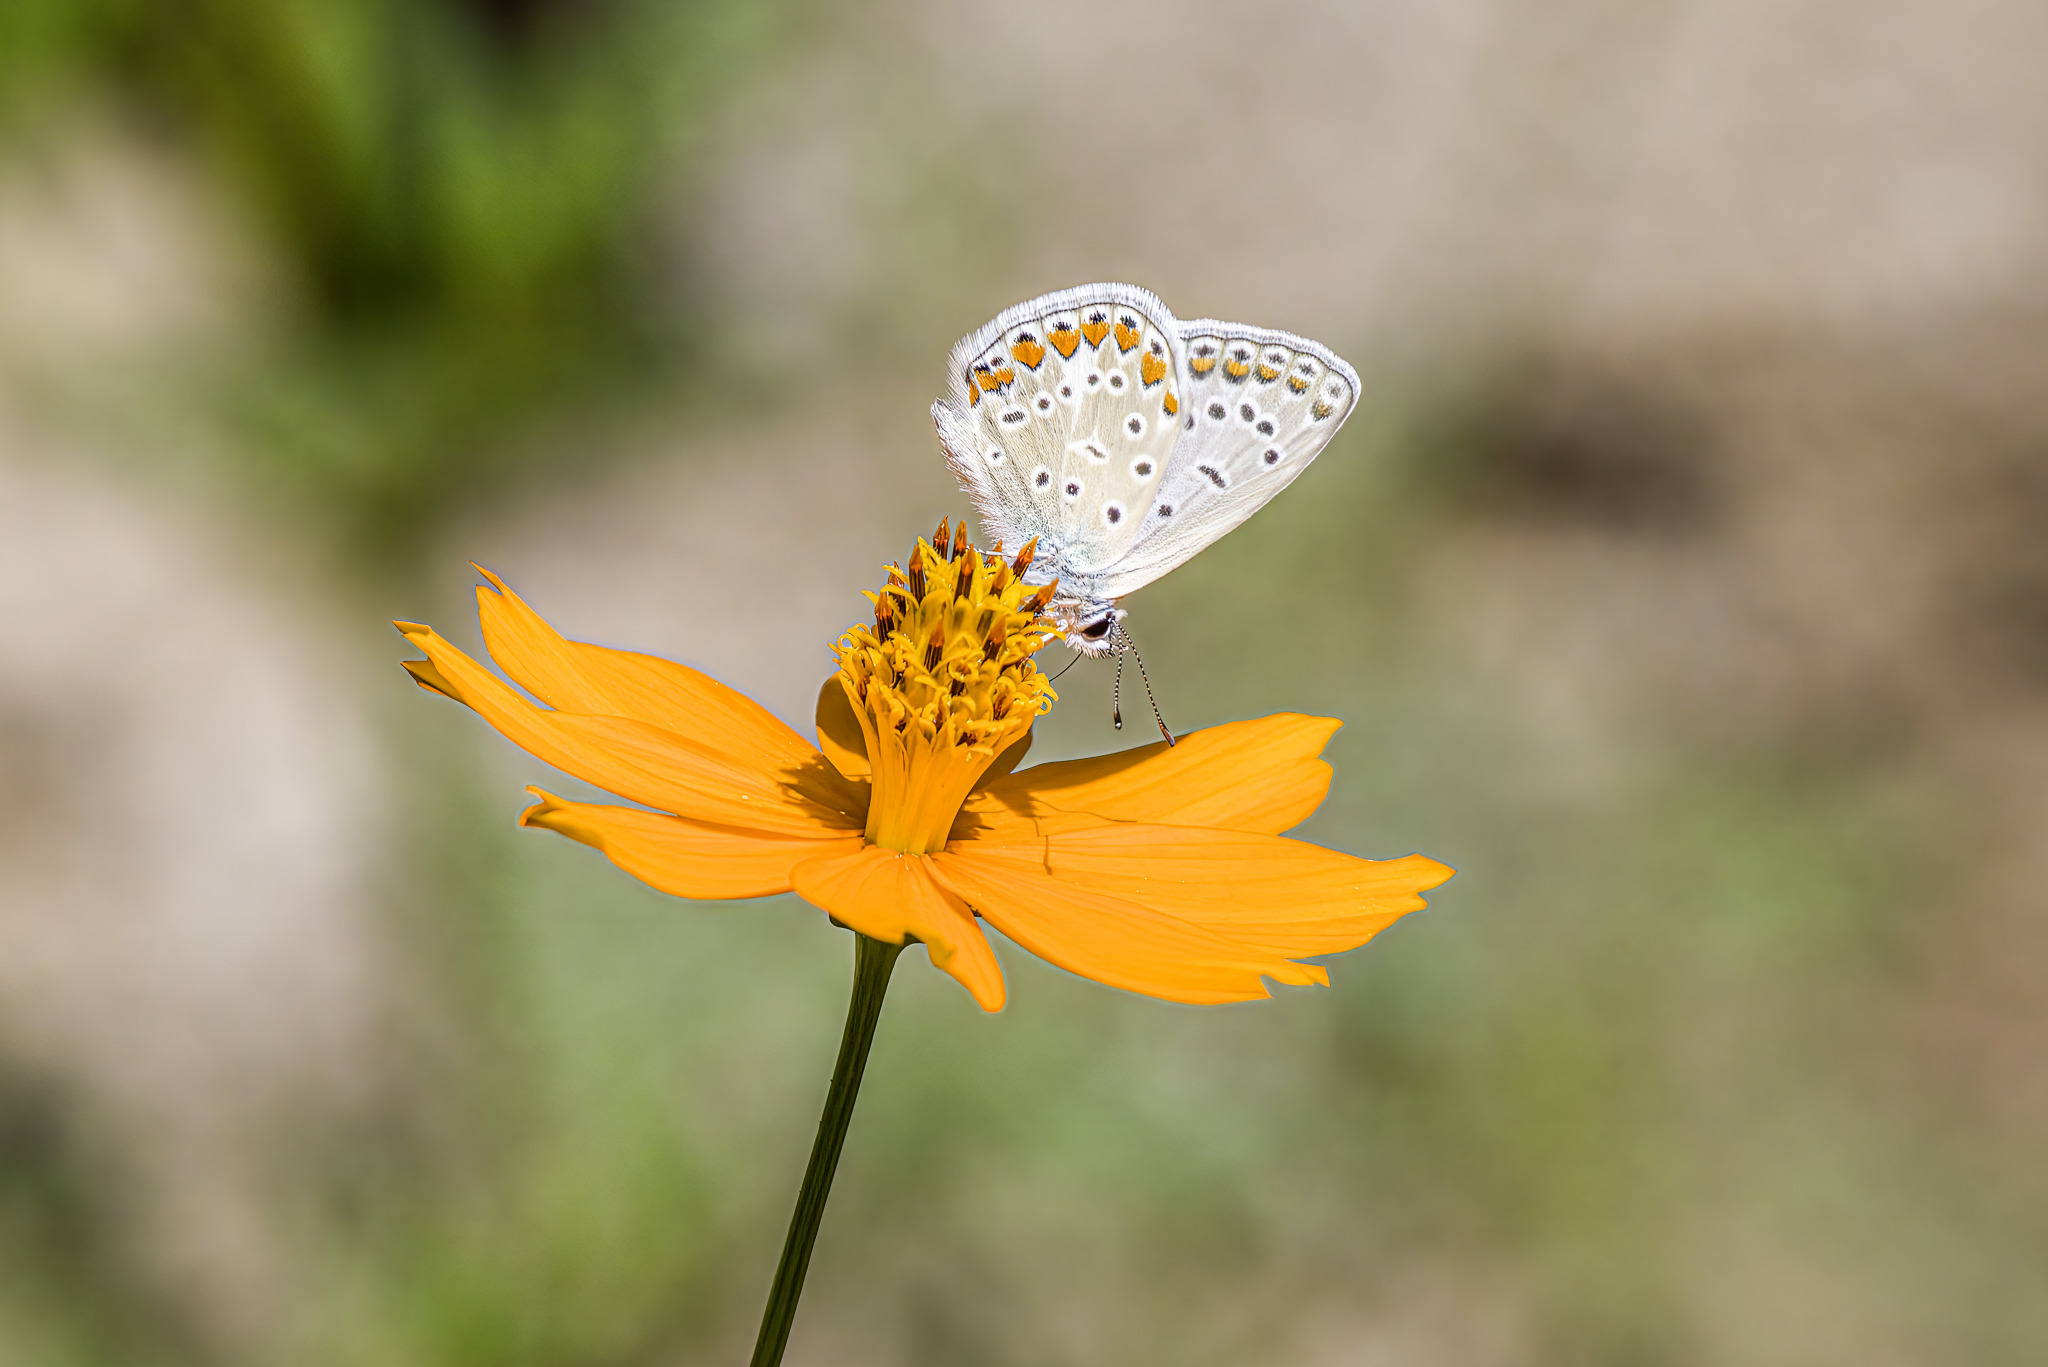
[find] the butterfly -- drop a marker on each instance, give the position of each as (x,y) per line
(1125,440)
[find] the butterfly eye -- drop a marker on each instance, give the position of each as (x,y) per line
(1095,631)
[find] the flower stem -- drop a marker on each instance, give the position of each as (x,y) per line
(872,962)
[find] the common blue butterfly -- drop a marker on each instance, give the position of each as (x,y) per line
(1125,440)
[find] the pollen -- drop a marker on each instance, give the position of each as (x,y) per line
(943,682)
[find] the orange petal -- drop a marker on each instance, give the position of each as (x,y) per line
(839,733)
(1109,939)
(426,676)
(678,856)
(1285,896)
(1258,775)
(644,763)
(571,676)
(893,897)
(1005,761)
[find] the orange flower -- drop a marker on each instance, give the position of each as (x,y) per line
(1161,869)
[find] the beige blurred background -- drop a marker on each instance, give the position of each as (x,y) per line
(1683,580)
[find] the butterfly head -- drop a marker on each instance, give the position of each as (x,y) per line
(1091,626)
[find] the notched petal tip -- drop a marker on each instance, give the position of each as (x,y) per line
(537,815)
(1314,975)
(426,676)
(1425,873)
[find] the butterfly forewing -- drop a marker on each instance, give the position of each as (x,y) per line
(1062,417)
(1258,406)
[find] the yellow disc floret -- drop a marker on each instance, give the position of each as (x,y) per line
(943,682)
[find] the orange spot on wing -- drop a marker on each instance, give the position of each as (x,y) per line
(1297,384)
(1029,352)
(1065,339)
(1236,369)
(1151,369)
(1006,375)
(1269,373)
(1095,328)
(1172,404)
(1126,337)
(984,377)
(1202,365)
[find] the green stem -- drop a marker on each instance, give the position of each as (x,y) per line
(872,962)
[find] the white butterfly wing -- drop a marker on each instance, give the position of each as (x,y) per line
(1062,415)
(1259,406)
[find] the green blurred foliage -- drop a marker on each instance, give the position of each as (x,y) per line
(461,193)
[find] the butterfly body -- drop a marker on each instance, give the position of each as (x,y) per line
(1124,440)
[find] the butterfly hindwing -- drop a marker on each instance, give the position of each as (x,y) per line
(1062,416)
(1258,406)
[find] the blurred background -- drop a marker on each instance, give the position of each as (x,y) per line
(1682,580)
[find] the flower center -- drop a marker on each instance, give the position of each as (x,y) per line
(943,682)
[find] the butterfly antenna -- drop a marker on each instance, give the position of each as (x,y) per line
(1065,667)
(1146,679)
(1116,706)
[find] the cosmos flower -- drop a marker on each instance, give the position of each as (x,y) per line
(1161,869)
